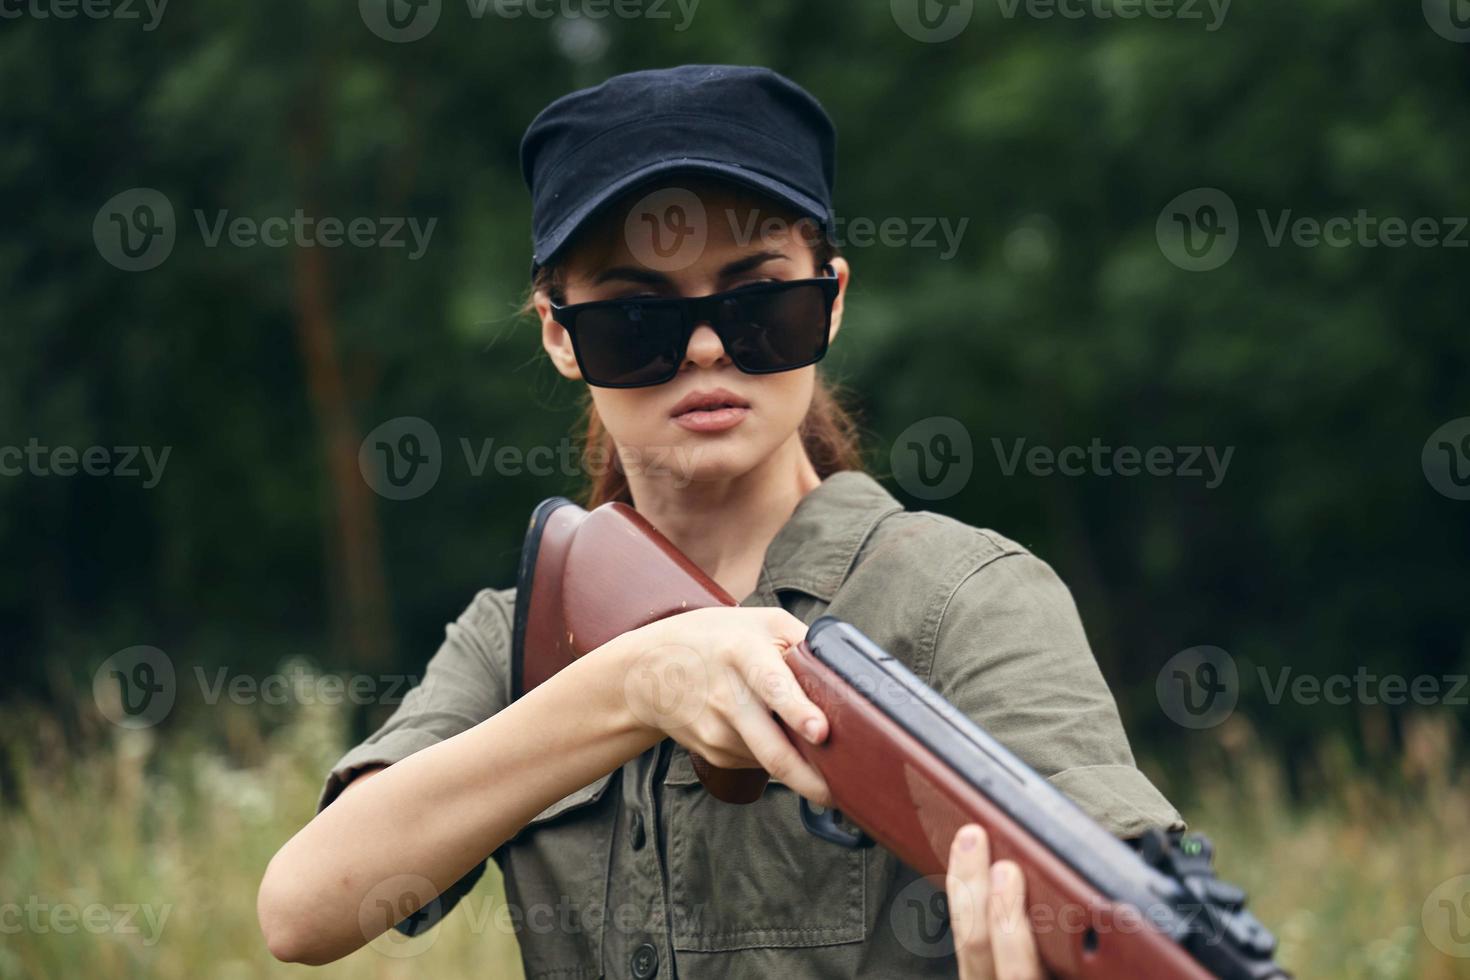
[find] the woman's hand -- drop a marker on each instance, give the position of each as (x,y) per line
(710,678)
(987,913)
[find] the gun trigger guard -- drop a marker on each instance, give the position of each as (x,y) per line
(825,826)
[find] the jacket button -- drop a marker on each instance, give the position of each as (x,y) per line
(645,962)
(635,831)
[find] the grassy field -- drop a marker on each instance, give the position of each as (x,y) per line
(140,856)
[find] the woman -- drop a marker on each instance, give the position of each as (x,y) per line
(700,182)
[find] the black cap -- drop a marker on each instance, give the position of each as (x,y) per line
(750,125)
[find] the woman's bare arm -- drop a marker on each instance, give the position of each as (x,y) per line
(439,812)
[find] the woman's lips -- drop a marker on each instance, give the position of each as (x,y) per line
(711,419)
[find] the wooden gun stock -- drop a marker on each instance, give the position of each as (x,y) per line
(587,577)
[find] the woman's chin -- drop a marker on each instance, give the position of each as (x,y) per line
(700,460)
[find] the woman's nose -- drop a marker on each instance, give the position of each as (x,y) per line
(705,348)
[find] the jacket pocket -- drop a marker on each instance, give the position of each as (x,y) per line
(556,872)
(752,876)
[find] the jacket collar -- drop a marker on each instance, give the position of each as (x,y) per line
(814,550)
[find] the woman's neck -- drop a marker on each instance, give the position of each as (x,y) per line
(724,526)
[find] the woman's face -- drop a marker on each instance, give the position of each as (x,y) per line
(693,240)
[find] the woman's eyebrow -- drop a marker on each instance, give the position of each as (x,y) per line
(631,273)
(648,277)
(752,261)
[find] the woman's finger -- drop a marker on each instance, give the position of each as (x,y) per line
(967,886)
(778,689)
(776,755)
(1011,939)
(787,629)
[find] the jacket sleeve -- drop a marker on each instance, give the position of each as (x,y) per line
(465,682)
(1011,653)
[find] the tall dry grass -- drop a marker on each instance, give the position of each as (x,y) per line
(179,827)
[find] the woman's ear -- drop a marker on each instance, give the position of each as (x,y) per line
(555,339)
(844,273)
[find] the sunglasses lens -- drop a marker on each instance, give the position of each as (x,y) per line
(776,330)
(628,345)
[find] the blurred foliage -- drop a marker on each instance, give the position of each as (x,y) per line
(1059,321)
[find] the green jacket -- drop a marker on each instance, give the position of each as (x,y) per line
(643,871)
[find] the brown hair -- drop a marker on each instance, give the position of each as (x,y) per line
(829,433)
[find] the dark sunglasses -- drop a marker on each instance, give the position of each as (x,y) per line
(766,327)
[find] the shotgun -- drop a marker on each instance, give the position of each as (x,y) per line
(1098,906)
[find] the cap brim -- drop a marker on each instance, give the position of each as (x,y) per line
(547,247)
